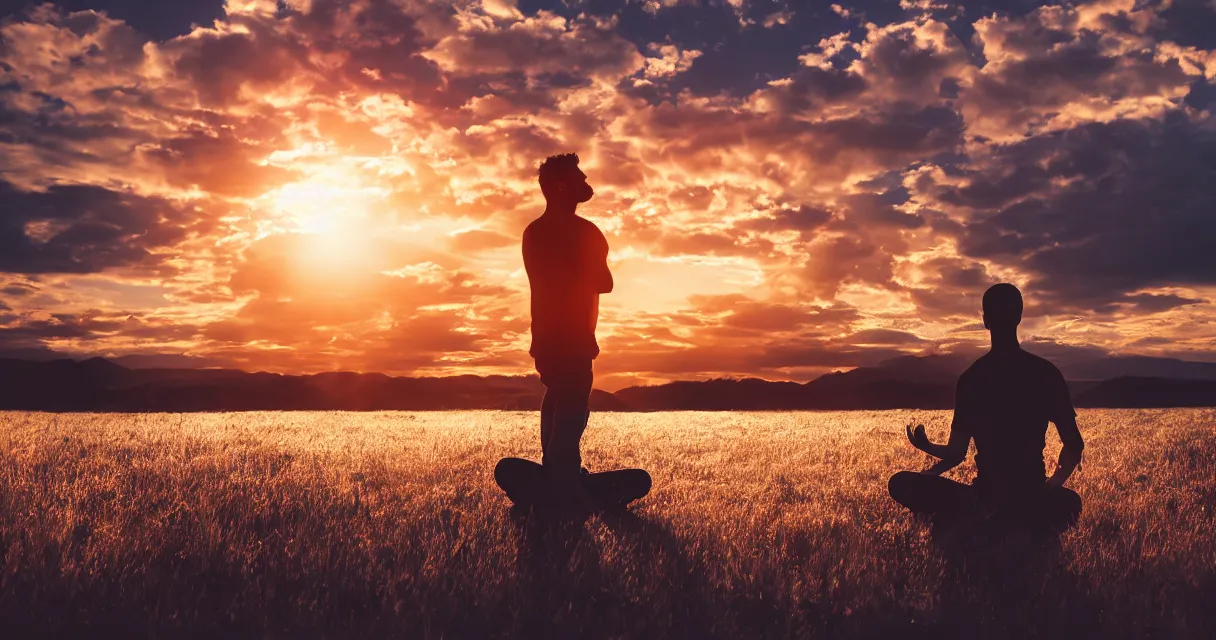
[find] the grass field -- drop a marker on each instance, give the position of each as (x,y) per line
(760,525)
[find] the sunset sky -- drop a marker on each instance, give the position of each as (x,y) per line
(787,188)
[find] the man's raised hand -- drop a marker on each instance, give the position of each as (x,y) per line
(917,436)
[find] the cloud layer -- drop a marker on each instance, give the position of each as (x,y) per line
(312,185)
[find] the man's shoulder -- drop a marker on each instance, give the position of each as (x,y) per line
(976,367)
(589,235)
(561,224)
(1040,364)
(538,229)
(537,223)
(1016,362)
(586,225)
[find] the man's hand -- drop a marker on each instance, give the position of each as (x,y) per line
(1069,460)
(1061,474)
(917,436)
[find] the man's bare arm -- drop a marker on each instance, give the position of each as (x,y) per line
(1070,454)
(952,453)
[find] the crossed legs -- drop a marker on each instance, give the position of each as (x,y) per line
(942,499)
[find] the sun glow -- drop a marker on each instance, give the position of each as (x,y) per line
(334,214)
(327,202)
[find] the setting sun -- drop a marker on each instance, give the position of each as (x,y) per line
(327,202)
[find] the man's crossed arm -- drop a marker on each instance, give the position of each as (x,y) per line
(601,275)
(603,279)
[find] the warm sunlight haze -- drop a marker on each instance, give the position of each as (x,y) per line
(300,187)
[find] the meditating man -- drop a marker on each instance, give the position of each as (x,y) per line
(566,258)
(1004,400)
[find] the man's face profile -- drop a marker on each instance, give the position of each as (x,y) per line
(575,187)
(586,192)
(562,182)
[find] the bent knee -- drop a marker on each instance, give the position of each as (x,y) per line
(511,466)
(901,483)
(645,483)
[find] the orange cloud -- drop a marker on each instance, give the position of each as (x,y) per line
(320,185)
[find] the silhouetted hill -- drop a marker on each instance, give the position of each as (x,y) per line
(100,385)
(947,367)
(1139,367)
(922,383)
(1149,392)
(934,369)
(925,382)
(714,395)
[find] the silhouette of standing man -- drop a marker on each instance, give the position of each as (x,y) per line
(1004,400)
(566,257)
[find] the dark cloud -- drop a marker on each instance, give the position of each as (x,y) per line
(216,163)
(1190,23)
(867,211)
(1116,208)
(843,259)
(910,61)
(86,229)
(41,332)
(1156,303)
(19,289)
(1065,63)
(770,317)
(374,46)
(217,63)
(812,90)
(805,219)
(158,19)
(546,45)
(892,138)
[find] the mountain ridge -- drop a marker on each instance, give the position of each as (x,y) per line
(912,382)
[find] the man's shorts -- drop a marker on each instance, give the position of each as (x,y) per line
(566,375)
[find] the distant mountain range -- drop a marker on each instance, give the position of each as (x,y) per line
(914,382)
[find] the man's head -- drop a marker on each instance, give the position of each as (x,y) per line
(562,182)
(1002,307)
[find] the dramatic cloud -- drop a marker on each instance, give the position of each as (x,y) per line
(313,184)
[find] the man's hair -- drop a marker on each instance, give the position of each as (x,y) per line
(1003,305)
(555,168)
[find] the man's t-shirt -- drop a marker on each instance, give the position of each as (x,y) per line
(1004,400)
(566,258)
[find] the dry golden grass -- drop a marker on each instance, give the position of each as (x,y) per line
(759,525)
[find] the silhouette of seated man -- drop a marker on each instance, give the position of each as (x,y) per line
(566,258)
(1004,400)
